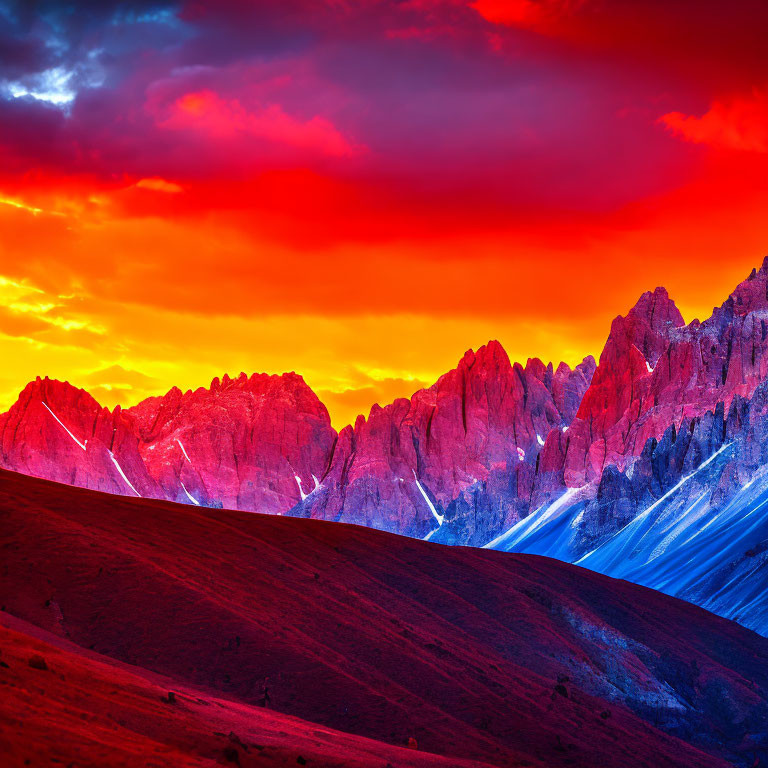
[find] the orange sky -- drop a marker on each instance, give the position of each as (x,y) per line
(366,191)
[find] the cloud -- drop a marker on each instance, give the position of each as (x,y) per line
(315,112)
(29,312)
(524,13)
(20,54)
(52,85)
(701,45)
(740,123)
(159,185)
(116,385)
(221,119)
(347,404)
(117,376)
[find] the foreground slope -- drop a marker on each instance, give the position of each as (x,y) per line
(479,655)
(63,705)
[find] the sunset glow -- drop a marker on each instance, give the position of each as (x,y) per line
(360,191)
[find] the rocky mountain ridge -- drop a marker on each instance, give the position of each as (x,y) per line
(493,453)
(265,443)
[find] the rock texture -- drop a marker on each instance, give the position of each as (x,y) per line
(61,433)
(253,443)
(688,516)
(606,428)
(480,425)
(654,372)
(257,443)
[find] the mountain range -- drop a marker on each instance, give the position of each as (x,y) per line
(650,464)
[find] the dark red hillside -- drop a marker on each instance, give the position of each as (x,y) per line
(63,705)
(383,636)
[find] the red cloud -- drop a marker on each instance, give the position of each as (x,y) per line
(741,123)
(522,13)
(205,111)
(159,185)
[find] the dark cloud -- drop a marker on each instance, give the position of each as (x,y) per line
(79,15)
(708,43)
(40,36)
(20,54)
(419,108)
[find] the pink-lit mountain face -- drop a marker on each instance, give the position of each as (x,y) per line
(655,371)
(493,453)
(61,433)
(482,423)
(265,443)
(255,443)
(246,443)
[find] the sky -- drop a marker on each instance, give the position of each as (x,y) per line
(361,190)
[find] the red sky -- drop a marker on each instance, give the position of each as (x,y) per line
(360,190)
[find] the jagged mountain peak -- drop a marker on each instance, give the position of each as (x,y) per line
(657,309)
(751,294)
(54,388)
(257,382)
(491,355)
